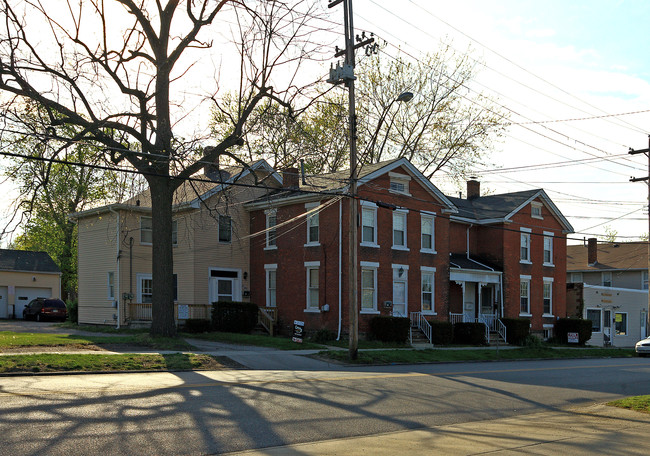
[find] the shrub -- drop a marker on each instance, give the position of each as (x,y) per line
(469,333)
(390,329)
(323,336)
(230,316)
(532,341)
(196,325)
(442,332)
(73,311)
(517,329)
(563,326)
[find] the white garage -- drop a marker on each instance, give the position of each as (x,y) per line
(25,295)
(3,301)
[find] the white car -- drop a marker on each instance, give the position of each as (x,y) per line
(642,347)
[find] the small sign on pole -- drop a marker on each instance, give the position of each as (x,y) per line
(572,338)
(298,330)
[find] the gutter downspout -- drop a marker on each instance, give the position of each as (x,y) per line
(501,289)
(468,228)
(117,261)
(338,337)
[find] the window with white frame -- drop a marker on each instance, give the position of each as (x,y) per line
(368,224)
(146,233)
(576,277)
(595,316)
(620,323)
(524,295)
(111,285)
(399,229)
(525,245)
(644,280)
(225,229)
(369,286)
(271,222)
(312,284)
(536,210)
(145,288)
(427,233)
(606,278)
(399,183)
(548,248)
(312,224)
(548,331)
(271,278)
(400,290)
(427,287)
(548,296)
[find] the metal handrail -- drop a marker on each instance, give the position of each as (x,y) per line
(501,329)
(418,321)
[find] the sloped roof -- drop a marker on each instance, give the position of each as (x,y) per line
(611,256)
(461,261)
(23,260)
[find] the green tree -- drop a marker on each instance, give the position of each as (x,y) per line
(125,74)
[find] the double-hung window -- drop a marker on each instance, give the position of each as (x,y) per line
(271,280)
(271,222)
(548,296)
(427,290)
(606,278)
(427,233)
(576,277)
(548,248)
(399,229)
(313,224)
(369,224)
(146,233)
(225,229)
(369,287)
(312,285)
(524,296)
(525,245)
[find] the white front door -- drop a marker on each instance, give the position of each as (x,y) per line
(607,327)
(399,299)
(224,285)
(469,302)
(4,300)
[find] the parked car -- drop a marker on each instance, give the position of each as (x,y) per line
(642,347)
(41,309)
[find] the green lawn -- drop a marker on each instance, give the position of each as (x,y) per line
(10,339)
(637,403)
(433,355)
(97,363)
(280,343)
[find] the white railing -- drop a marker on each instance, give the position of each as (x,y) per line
(456,318)
(418,321)
(490,320)
(268,317)
(501,329)
(466,318)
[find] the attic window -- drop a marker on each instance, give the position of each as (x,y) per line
(536,210)
(399,183)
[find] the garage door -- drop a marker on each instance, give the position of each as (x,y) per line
(3,302)
(25,295)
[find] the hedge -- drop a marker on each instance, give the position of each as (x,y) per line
(517,330)
(196,325)
(390,329)
(231,316)
(469,334)
(442,332)
(567,325)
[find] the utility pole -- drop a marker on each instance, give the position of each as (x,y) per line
(647,180)
(345,74)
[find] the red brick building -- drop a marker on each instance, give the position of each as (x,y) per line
(419,250)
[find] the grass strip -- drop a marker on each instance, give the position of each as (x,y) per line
(280,343)
(10,339)
(433,355)
(636,403)
(97,363)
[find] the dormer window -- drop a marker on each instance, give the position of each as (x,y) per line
(536,210)
(399,183)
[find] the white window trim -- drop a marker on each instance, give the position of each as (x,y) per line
(271,267)
(432,271)
(551,236)
(150,230)
(645,283)
(404,214)
(110,296)
(540,206)
(139,278)
(311,265)
(524,278)
(611,279)
(527,232)
(374,267)
(309,207)
(432,216)
(373,207)
(627,324)
(601,318)
(402,179)
(544,282)
(267,214)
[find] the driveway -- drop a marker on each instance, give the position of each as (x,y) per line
(43,327)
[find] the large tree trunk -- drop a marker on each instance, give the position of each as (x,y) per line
(163,323)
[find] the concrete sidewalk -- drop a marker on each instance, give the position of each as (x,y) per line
(597,429)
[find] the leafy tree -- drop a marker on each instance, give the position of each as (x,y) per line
(125,73)
(610,234)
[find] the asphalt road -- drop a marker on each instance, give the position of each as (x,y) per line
(216,412)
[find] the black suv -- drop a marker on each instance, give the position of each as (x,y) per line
(41,309)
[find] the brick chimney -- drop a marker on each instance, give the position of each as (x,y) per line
(592,250)
(290,178)
(473,188)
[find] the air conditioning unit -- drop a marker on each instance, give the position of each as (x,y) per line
(388,304)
